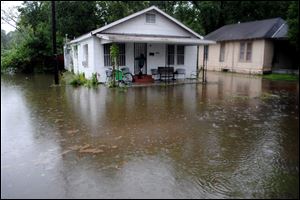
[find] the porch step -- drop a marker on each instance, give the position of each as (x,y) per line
(143,79)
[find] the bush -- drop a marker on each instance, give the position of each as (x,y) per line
(79,79)
(16,59)
(92,82)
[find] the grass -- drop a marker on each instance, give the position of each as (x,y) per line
(281,77)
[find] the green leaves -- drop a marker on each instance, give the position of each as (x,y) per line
(293,22)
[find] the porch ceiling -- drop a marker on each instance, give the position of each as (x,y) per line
(108,38)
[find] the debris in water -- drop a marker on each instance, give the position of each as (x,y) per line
(65,152)
(91,150)
(215,126)
(58,120)
(117,138)
(75,147)
(72,131)
(85,147)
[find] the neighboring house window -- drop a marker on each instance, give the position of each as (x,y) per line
(249,51)
(180,55)
(242,50)
(222,52)
(150,18)
(85,61)
(107,59)
(171,54)
(206,52)
(245,51)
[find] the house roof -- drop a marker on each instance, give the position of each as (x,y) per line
(142,12)
(270,28)
(99,30)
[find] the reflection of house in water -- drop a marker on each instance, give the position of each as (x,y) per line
(233,84)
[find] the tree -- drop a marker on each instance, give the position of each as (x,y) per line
(293,22)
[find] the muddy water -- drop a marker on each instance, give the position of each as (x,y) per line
(236,137)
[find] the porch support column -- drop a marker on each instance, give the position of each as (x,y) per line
(197,67)
(205,54)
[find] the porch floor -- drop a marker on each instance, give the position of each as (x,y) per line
(168,82)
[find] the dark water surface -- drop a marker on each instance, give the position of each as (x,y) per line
(236,137)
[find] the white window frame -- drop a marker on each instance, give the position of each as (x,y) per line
(85,51)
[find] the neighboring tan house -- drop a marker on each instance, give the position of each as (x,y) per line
(163,41)
(254,47)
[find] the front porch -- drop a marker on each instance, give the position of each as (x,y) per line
(164,57)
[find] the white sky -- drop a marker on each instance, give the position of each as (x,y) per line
(6,5)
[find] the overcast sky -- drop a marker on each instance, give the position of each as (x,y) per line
(6,5)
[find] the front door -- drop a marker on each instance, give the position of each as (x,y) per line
(140,49)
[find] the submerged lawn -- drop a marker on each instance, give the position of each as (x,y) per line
(234,137)
(282,77)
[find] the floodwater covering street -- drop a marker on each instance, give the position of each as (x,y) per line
(235,137)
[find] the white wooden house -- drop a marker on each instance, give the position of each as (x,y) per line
(162,39)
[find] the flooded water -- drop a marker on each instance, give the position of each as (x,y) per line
(236,137)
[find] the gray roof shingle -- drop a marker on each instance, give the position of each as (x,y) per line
(270,28)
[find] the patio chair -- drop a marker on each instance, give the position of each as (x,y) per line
(154,72)
(180,71)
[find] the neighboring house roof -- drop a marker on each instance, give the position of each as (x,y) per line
(99,30)
(270,28)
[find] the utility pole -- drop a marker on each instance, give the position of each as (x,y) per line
(54,43)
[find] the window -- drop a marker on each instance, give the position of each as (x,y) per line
(249,51)
(107,59)
(171,54)
(75,52)
(242,50)
(150,18)
(245,51)
(180,55)
(206,52)
(85,61)
(222,52)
